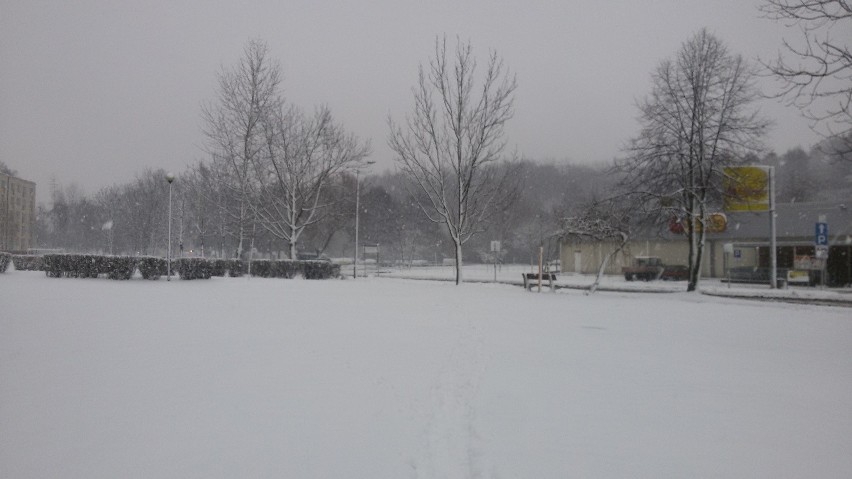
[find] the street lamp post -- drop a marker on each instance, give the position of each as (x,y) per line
(437,248)
(357,210)
(170,177)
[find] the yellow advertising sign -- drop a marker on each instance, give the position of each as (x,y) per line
(746,188)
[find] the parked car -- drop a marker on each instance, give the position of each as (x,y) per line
(312,257)
(675,272)
(647,268)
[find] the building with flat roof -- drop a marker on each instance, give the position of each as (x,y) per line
(17,214)
(743,243)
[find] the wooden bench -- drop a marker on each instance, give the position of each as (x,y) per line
(531,279)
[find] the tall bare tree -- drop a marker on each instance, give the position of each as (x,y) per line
(204,196)
(818,77)
(140,215)
(697,120)
(451,145)
(234,125)
(302,157)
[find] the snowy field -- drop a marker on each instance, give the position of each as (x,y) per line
(394,378)
(512,274)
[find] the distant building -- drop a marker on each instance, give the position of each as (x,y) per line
(17,213)
(746,238)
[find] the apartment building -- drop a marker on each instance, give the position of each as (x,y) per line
(17,213)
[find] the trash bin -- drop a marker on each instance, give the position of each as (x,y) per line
(781,283)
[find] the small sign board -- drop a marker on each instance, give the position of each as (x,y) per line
(798,276)
(738,253)
(371,249)
(822,251)
(495,246)
(802,262)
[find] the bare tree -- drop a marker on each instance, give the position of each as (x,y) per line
(139,214)
(204,196)
(337,216)
(697,120)
(302,156)
(602,222)
(75,221)
(818,79)
(451,145)
(277,159)
(234,125)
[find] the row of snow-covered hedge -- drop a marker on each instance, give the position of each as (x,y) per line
(22,262)
(88,266)
(198,268)
(310,269)
(123,267)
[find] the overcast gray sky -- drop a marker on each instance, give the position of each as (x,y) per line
(94,91)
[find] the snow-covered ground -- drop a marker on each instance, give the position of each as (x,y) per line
(394,378)
(512,274)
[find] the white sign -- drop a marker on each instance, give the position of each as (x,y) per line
(495,246)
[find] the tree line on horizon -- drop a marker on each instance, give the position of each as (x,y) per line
(278,180)
(131,218)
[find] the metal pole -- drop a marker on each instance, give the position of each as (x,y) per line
(824,261)
(180,229)
(540,255)
(728,270)
(773,257)
(170,178)
(357,207)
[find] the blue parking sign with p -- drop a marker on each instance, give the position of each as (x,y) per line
(821,234)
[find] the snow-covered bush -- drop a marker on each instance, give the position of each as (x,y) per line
(151,267)
(88,266)
(192,268)
(117,267)
(218,267)
(235,267)
(4,261)
(265,268)
(70,265)
(52,265)
(320,270)
(309,269)
(28,262)
(262,268)
(122,267)
(221,267)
